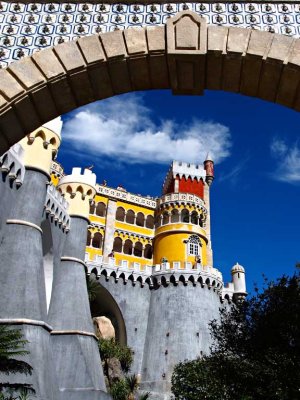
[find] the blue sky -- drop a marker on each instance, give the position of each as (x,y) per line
(255,198)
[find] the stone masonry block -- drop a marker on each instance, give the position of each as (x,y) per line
(216,48)
(269,80)
(27,114)
(186,49)
(259,43)
(139,73)
(119,74)
(48,62)
(156,39)
(70,56)
(288,86)
(11,127)
(10,87)
(237,40)
(294,55)
(280,48)
(62,95)
(27,72)
(81,86)
(135,40)
(91,49)
(159,74)
(216,39)
(187,34)
(113,44)
(258,47)
(101,84)
(44,104)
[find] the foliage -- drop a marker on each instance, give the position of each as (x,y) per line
(256,351)
(92,288)
(145,396)
(122,388)
(109,348)
(12,345)
(119,390)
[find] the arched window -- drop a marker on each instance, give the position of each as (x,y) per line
(88,238)
(120,214)
(194,218)
(97,240)
(174,216)
(185,216)
(117,247)
(130,217)
(101,209)
(157,221)
(140,219)
(127,247)
(148,251)
(166,218)
(92,208)
(150,222)
(138,249)
(193,245)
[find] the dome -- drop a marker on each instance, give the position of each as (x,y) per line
(237,268)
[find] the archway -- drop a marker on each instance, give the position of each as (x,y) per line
(105,305)
(57,80)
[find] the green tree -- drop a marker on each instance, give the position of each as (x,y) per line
(12,345)
(256,351)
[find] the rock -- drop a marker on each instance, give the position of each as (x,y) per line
(115,372)
(104,328)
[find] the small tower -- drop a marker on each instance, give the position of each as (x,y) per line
(180,235)
(239,281)
(41,146)
(209,169)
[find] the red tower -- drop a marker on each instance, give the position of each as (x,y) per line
(187,178)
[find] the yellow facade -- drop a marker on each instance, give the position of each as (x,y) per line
(171,244)
(137,232)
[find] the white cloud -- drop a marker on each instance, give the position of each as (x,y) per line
(288,161)
(123,129)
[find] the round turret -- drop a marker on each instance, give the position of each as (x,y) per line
(209,168)
(79,190)
(239,281)
(40,146)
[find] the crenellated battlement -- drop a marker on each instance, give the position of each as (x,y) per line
(11,163)
(56,208)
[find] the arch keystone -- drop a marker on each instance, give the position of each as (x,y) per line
(186,49)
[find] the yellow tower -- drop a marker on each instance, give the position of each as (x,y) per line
(181,239)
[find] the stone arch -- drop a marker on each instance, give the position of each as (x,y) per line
(185,55)
(106,305)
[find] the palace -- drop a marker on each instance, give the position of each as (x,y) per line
(152,258)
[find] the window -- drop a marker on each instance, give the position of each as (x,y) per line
(117,246)
(130,217)
(138,249)
(149,222)
(194,245)
(140,219)
(185,216)
(97,240)
(120,214)
(101,209)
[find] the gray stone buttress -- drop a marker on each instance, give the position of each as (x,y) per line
(76,353)
(22,283)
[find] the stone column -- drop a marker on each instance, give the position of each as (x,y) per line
(75,346)
(22,281)
(109,229)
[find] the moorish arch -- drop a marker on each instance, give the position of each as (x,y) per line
(185,55)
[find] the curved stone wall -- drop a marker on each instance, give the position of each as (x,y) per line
(177,330)
(57,80)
